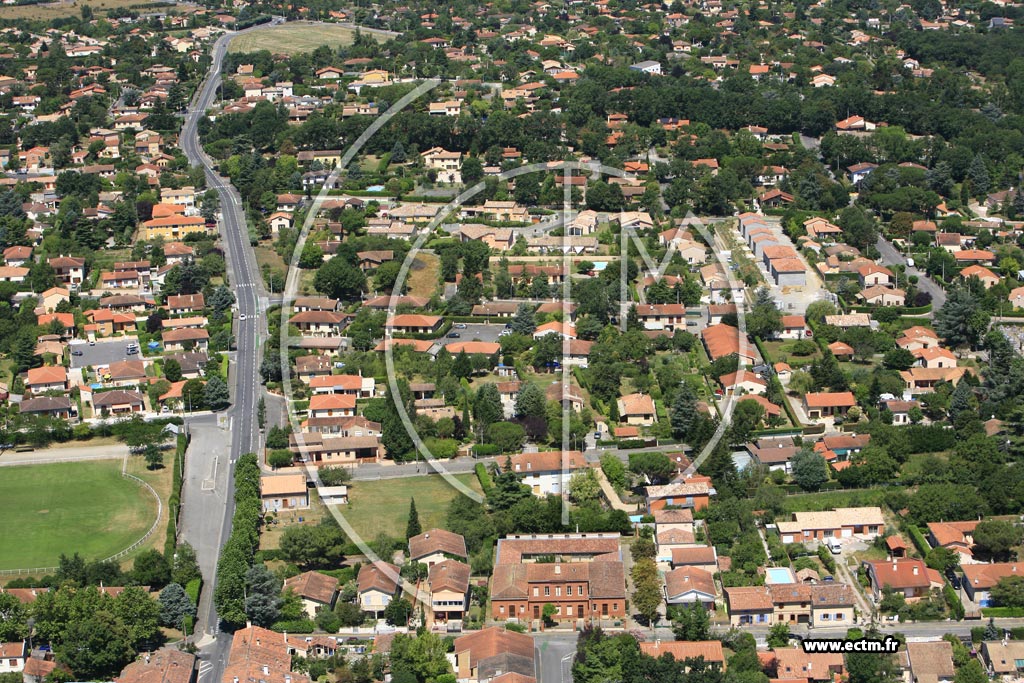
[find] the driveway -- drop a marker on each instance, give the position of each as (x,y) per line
(474,332)
(891,257)
(104,352)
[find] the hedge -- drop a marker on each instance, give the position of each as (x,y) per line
(918,538)
(294,626)
(484,477)
(239,550)
(194,587)
(485,449)
(1003,611)
(956,608)
(174,500)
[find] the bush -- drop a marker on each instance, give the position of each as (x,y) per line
(484,477)
(481,450)
(193,588)
(294,626)
(334,476)
(280,458)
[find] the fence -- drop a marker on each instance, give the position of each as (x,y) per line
(118,555)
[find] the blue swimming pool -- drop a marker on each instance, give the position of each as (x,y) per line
(779,575)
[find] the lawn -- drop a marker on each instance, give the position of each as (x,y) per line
(422,277)
(83,507)
(826,500)
(293,38)
(382,507)
(60,10)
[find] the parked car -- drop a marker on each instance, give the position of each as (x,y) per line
(454,335)
(76,352)
(460,326)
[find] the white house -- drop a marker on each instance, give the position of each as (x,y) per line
(545,473)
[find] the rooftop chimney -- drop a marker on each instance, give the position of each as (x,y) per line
(266,670)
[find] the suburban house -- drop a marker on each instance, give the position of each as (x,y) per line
(637,409)
(377,584)
(448,586)
(708,650)
(930,662)
(838,523)
(828,404)
(980,578)
(332,405)
(410,323)
(118,402)
(749,605)
(694,492)
(547,473)
(437,545)
(284,492)
(903,575)
(316,590)
(1005,657)
(493,653)
(47,378)
(957,536)
(793,664)
(688,585)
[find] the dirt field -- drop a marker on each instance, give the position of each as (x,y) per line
(294,38)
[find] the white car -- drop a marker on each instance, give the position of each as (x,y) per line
(242,316)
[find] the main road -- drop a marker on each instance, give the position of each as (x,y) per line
(208,497)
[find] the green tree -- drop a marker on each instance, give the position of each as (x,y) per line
(778,635)
(487,406)
(942,559)
(765,319)
(530,401)
(1008,592)
(314,546)
(175,605)
(172,370)
(398,612)
(647,597)
(692,623)
(524,321)
(961,320)
(154,457)
(412,526)
(810,470)
(584,487)
(151,569)
(656,467)
(263,595)
(215,394)
(95,647)
(340,279)
(997,538)
(13,618)
(971,672)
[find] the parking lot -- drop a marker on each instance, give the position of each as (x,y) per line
(105,352)
(474,332)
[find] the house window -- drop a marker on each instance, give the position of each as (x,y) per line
(558,610)
(547,591)
(558,591)
(579,589)
(522,608)
(1019,663)
(536,591)
(838,616)
(825,617)
(568,610)
(501,608)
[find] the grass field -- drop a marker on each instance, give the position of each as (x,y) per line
(83,507)
(826,500)
(422,278)
(60,10)
(377,507)
(294,38)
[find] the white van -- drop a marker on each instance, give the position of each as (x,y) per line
(910,262)
(834,545)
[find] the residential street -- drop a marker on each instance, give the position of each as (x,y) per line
(891,256)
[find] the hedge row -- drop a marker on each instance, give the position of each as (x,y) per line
(237,556)
(484,477)
(918,538)
(174,501)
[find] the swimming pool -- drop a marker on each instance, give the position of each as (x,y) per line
(779,575)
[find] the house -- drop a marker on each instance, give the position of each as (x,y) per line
(166,665)
(448,585)
(13,657)
(882,296)
(332,405)
(68,269)
(377,584)
(1005,658)
(437,545)
(316,590)
(185,339)
(724,340)
(173,227)
(586,580)
(47,378)
(872,274)
(903,575)
(546,473)
(637,409)
(793,664)
(124,373)
(931,662)
(700,556)
(794,327)
(708,650)
(648,67)
(409,323)
(923,380)
(493,653)
(694,492)
(956,536)
(837,523)
(858,172)
(980,578)
(17,255)
(259,654)
(185,304)
(935,357)
(749,605)
(118,402)
(320,323)
(688,585)
(280,492)
(820,405)
(987,277)
(742,382)
(46,406)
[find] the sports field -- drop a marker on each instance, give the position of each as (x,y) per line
(382,506)
(295,37)
(83,507)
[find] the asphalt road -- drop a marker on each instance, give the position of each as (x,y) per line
(473,332)
(891,256)
(103,352)
(209,488)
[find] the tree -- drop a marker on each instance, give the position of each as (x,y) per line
(172,370)
(192,394)
(997,538)
(1008,592)
(13,618)
(95,647)
(154,456)
(971,672)
(412,527)
(487,406)
(869,667)
(312,256)
(314,546)
(765,319)
(334,476)
(530,401)
(778,635)
(584,487)
(507,436)
(175,605)
(398,612)
(472,170)
(692,623)
(810,470)
(656,467)
(215,394)
(263,595)
(186,566)
(961,320)
(646,589)
(524,321)
(340,279)
(151,569)
(942,559)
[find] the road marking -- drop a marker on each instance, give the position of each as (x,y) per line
(209,485)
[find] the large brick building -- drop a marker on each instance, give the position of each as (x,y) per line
(580,575)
